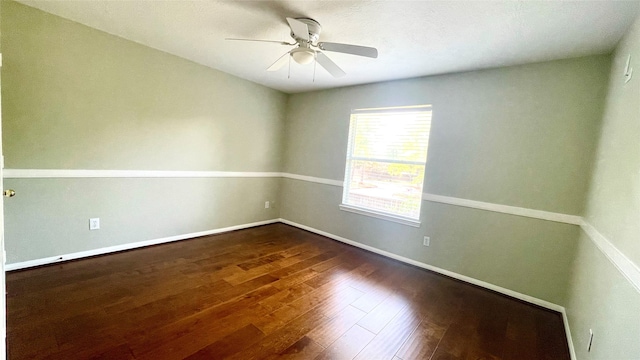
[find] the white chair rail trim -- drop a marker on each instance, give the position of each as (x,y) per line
(629,269)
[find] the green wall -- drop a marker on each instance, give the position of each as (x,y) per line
(600,298)
(614,196)
(522,254)
(527,136)
(130,210)
(78,98)
(520,136)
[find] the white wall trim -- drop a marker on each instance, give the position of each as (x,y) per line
(129,246)
(628,269)
(567,331)
(496,288)
(67,173)
(505,209)
(313,179)
(367,212)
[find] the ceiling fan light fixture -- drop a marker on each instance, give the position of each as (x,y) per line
(303,56)
(305,33)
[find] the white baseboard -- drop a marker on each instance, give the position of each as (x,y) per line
(567,330)
(514,294)
(467,279)
(129,246)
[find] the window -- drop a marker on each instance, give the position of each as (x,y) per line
(386,158)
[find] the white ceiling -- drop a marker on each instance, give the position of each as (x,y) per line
(413,38)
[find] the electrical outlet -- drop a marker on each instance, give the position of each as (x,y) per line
(426,241)
(590,340)
(267,205)
(94,224)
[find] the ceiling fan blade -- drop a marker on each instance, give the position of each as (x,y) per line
(269,41)
(329,65)
(349,49)
(300,29)
(282,60)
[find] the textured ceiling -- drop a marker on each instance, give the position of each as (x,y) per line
(413,38)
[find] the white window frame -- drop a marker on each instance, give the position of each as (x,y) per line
(348,168)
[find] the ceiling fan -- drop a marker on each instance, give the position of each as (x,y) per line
(306,48)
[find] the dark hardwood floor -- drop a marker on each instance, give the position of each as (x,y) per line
(267,292)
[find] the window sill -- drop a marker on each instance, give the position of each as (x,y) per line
(378,215)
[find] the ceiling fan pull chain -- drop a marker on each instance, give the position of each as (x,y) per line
(315,61)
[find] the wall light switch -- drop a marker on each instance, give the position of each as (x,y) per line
(267,205)
(94,224)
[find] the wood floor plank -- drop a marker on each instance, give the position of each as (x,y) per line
(297,278)
(339,303)
(292,269)
(202,326)
(336,273)
(326,334)
(389,340)
(322,298)
(460,342)
(230,344)
(270,292)
(178,342)
(286,296)
(370,300)
(551,342)
(520,343)
(380,316)
(248,265)
(302,349)
(423,342)
(283,338)
(120,352)
(285,258)
(348,345)
(245,287)
(34,341)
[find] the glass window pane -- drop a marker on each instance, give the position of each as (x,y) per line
(386,187)
(402,137)
(386,158)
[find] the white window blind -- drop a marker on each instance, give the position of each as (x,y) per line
(386,158)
